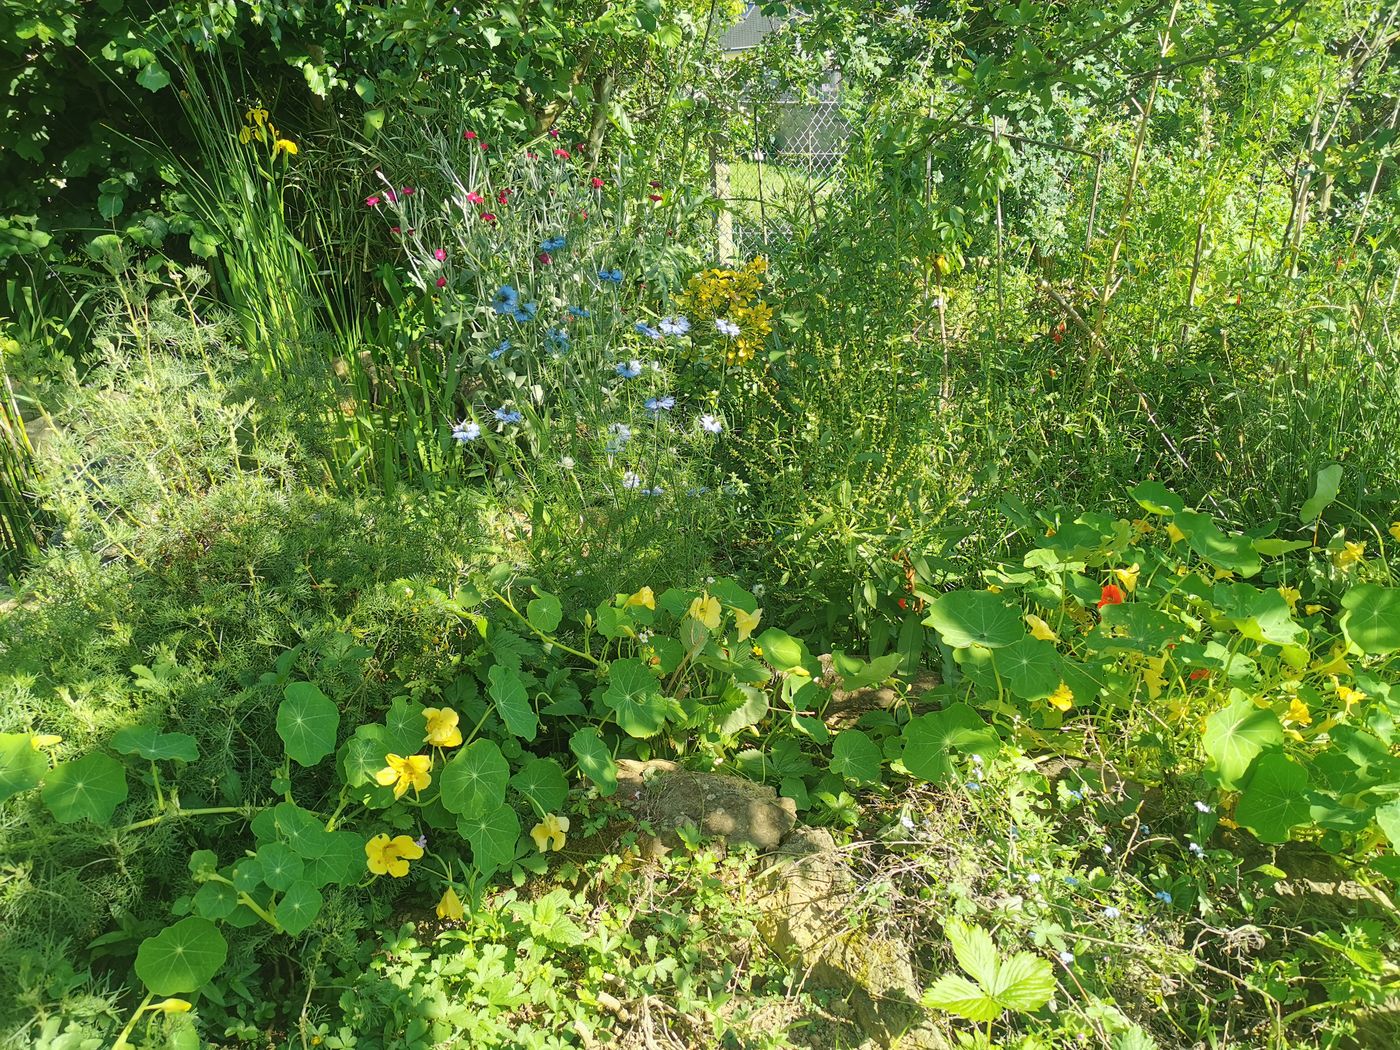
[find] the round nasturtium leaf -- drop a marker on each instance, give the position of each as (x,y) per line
(301,829)
(544,613)
(1031,667)
(635,696)
(22,766)
(1236,734)
(342,863)
(280,866)
(298,907)
(474,781)
(1275,800)
(493,836)
(215,900)
(595,761)
(965,618)
(1372,618)
(856,757)
(90,787)
(150,743)
(307,722)
(542,782)
(181,958)
(930,739)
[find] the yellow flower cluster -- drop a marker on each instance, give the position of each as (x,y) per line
(728,301)
(257,128)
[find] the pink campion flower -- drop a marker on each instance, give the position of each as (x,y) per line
(554,133)
(532,156)
(440,255)
(371,202)
(476,198)
(393,197)
(654,185)
(545,258)
(469,135)
(487,216)
(503,196)
(442,282)
(596,182)
(484,147)
(408,191)
(395,229)
(583,215)
(653,196)
(559,151)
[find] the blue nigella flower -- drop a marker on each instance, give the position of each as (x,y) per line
(657,405)
(526,312)
(1067,958)
(501,348)
(466,431)
(507,300)
(614,275)
(557,340)
(728,328)
(647,330)
(579,311)
(553,244)
(631,481)
(1163,896)
(505,415)
(629,369)
(674,325)
(1111,912)
(1070,880)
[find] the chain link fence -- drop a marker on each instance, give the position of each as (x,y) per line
(785,160)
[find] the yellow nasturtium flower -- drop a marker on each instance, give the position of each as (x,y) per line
(1128,577)
(643,598)
(1040,629)
(706,609)
(390,856)
(42,740)
(1174,533)
(1352,551)
(1153,675)
(171,1006)
(747,622)
(450,907)
(1298,713)
(1291,595)
(405,773)
(1395,529)
(1062,699)
(442,727)
(1349,696)
(550,832)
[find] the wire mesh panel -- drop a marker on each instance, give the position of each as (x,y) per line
(785,156)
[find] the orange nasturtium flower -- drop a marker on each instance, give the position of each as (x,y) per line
(442,727)
(386,856)
(1112,594)
(405,773)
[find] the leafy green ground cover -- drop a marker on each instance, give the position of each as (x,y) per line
(397,459)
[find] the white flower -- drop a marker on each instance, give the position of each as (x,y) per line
(725,327)
(567,462)
(1201,807)
(631,481)
(1111,912)
(1067,958)
(758,590)
(465,431)
(710,425)
(1033,878)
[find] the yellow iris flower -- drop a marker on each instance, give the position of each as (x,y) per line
(549,833)
(405,773)
(390,856)
(442,727)
(286,146)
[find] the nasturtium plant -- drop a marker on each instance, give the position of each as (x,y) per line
(22,764)
(966,618)
(307,722)
(87,788)
(151,743)
(182,958)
